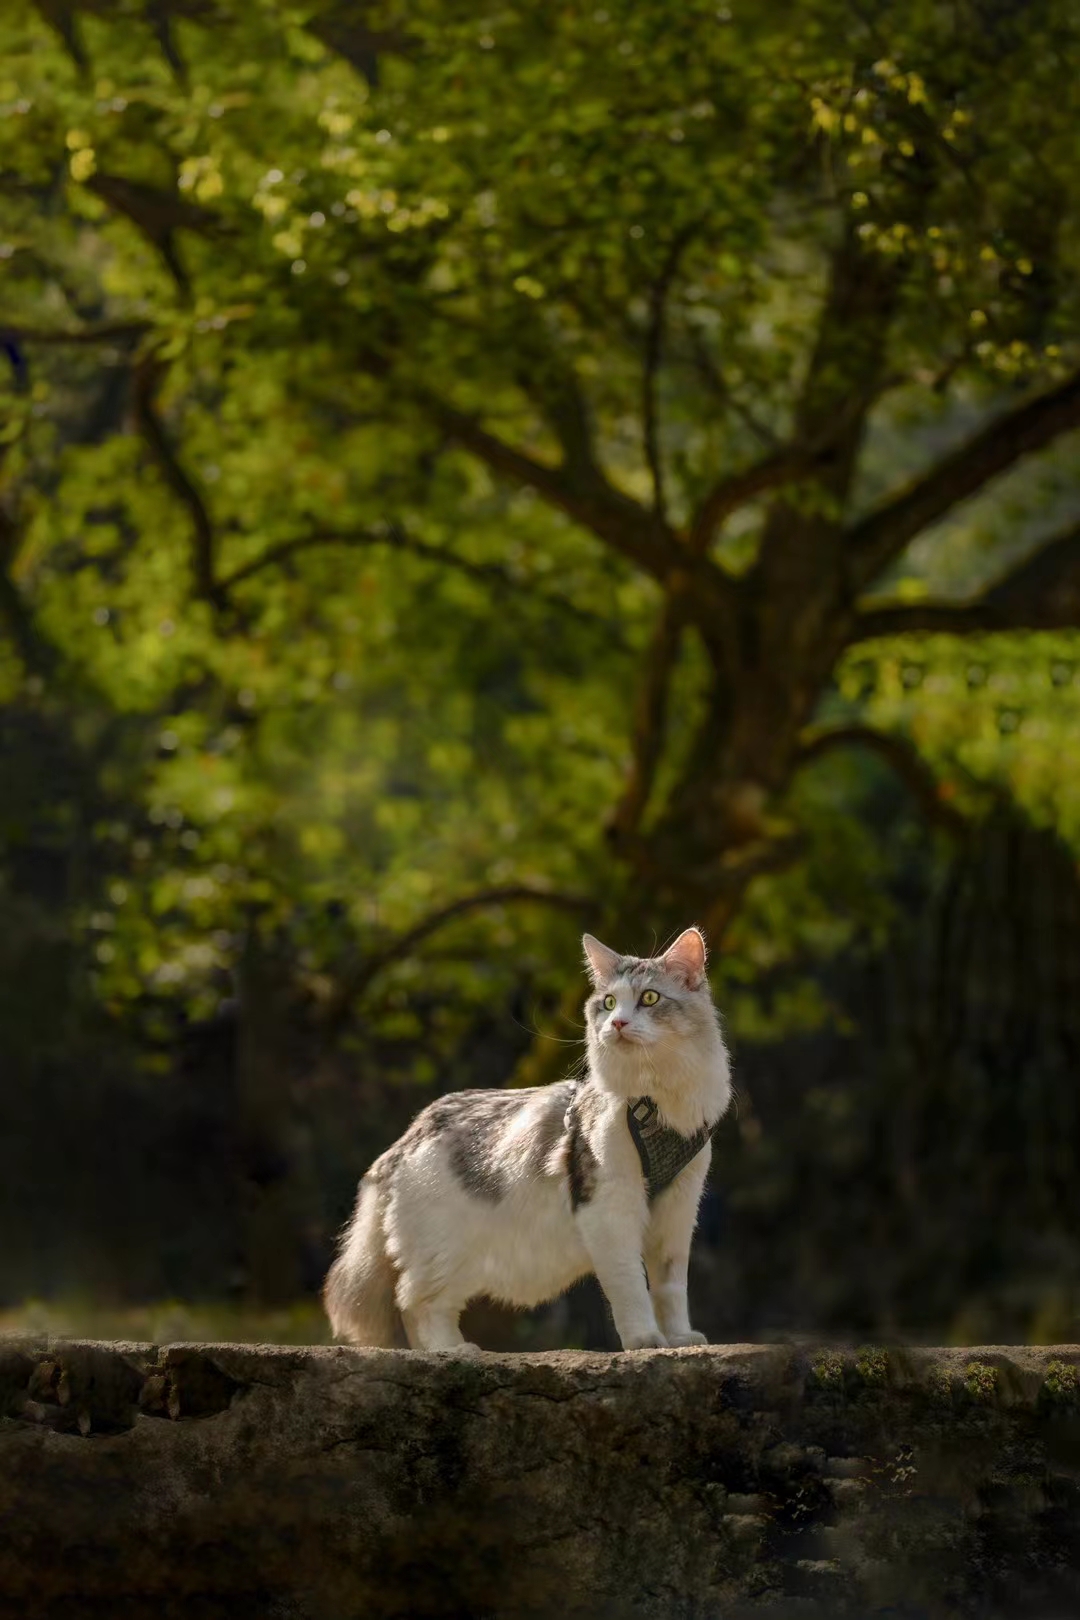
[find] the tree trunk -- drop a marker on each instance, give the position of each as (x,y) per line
(272,1214)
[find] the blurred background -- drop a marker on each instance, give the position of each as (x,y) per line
(464,479)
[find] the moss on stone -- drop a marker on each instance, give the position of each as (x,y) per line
(827,1370)
(872,1365)
(980,1380)
(1062,1382)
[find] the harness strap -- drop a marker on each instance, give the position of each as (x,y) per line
(663,1150)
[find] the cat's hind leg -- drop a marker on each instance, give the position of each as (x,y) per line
(433,1325)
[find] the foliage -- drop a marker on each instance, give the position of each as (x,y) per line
(462,475)
(321,280)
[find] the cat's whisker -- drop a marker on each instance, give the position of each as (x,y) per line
(543,1035)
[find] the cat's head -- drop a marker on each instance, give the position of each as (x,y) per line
(640,1005)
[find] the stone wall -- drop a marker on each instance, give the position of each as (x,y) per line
(330,1484)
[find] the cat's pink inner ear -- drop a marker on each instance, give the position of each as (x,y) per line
(687,956)
(599,959)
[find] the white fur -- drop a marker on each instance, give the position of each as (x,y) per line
(422,1244)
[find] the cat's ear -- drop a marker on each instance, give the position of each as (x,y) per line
(600,961)
(687,957)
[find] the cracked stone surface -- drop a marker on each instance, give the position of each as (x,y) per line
(208,1481)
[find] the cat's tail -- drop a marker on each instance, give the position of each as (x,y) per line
(359,1288)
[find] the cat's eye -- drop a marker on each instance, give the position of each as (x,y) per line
(609,1003)
(649,998)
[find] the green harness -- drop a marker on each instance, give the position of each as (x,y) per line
(663,1150)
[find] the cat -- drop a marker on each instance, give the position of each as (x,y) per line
(516,1194)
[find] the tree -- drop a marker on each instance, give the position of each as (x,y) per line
(697,345)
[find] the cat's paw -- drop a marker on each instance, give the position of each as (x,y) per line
(679,1341)
(646,1341)
(466,1349)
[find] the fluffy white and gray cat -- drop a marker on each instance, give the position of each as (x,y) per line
(517,1194)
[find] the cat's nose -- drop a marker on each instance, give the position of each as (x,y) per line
(619,1023)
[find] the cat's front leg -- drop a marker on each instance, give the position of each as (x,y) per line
(612,1237)
(667,1252)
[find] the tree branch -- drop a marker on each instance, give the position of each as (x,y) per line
(715,380)
(802,555)
(158,213)
(654,347)
(102,332)
(37,655)
(341,29)
(145,379)
(904,759)
(549,380)
(783,466)
(642,537)
(740,867)
(586,496)
(878,538)
(354,985)
(394,538)
(649,725)
(62,18)
(1042,593)
(157,15)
